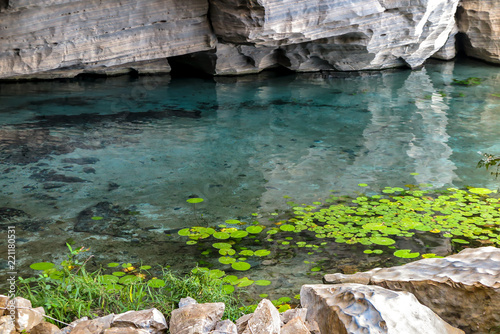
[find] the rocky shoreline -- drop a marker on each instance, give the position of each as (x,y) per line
(47,39)
(456,294)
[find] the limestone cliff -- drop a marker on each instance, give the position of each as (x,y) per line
(480,21)
(67,37)
(42,35)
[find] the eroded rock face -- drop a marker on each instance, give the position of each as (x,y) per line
(479,20)
(150,320)
(265,319)
(355,308)
(321,35)
(196,318)
(42,35)
(463,289)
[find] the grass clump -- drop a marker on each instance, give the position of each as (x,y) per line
(68,291)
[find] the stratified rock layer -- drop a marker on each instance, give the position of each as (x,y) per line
(480,21)
(37,36)
(355,308)
(463,289)
(325,35)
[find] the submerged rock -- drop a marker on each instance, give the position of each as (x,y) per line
(106,218)
(355,308)
(463,289)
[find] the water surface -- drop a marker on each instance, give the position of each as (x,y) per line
(133,150)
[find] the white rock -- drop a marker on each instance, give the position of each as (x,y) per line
(41,35)
(225,327)
(295,326)
(150,320)
(356,308)
(7,325)
(319,35)
(463,289)
(25,317)
(196,318)
(265,319)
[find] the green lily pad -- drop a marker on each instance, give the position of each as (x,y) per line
(254,229)
(156,283)
(406,254)
(228,289)
(194,200)
(263,282)
(221,245)
(480,191)
(129,279)
(226,259)
(262,252)
(42,266)
(113,264)
(97,218)
(221,235)
(460,241)
(239,234)
(287,228)
(242,266)
(383,241)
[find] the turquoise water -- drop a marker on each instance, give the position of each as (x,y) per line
(142,146)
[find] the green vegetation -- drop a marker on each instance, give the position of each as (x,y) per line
(374,220)
(68,292)
(466,217)
(472,81)
(489,160)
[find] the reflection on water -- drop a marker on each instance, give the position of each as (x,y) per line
(133,150)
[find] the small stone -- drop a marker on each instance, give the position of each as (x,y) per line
(25,317)
(45,328)
(265,319)
(242,322)
(151,320)
(196,318)
(295,326)
(3,305)
(125,330)
(97,325)
(296,312)
(225,327)
(187,301)
(7,325)
(68,329)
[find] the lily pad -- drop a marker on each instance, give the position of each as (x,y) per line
(42,265)
(194,200)
(406,254)
(242,266)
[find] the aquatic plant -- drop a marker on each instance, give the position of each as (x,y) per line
(490,160)
(68,291)
(471,81)
(464,216)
